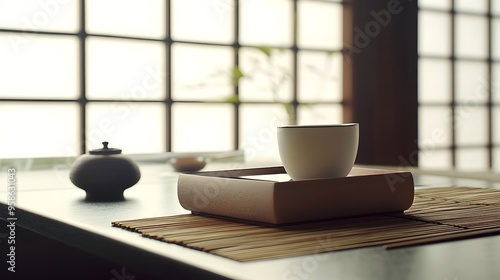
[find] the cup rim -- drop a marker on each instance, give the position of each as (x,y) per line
(319,125)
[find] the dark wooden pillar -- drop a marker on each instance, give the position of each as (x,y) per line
(380,79)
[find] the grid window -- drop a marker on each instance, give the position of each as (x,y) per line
(153,76)
(458,79)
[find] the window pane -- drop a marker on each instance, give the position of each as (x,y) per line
(471,36)
(434,80)
(122,124)
(41,67)
(266,22)
(496,159)
(434,127)
(496,126)
(435,4)
(471,125)
(495,82)
(319,76)
(471,82)
(266,77)
(319,25)
(434,33)
(203,20)
(126,17)
(258,126)
(472,159)
(125,69)
(320,114)
(39,130)
(434,159)
(495,7)
(202,127)
(34,15)
(478,6)
(495,25)
(201,72)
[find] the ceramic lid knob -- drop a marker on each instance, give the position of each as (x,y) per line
(105,150)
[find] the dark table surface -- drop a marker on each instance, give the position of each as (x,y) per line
(49,205)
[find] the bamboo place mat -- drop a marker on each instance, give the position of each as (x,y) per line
(437,214)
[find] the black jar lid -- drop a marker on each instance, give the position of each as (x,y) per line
(105,150)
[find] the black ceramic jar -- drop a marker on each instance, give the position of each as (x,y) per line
(104,174)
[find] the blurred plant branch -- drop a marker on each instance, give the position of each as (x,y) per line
(265,70)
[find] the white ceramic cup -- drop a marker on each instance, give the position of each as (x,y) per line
(318,151)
